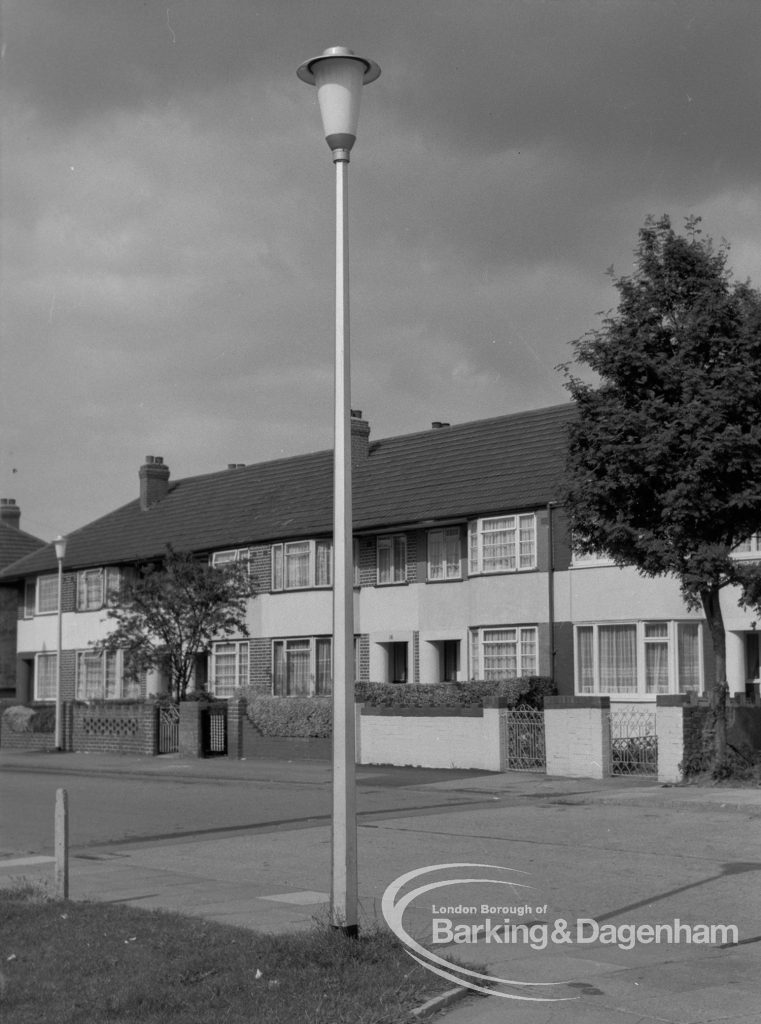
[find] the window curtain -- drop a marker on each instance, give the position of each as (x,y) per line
(46,676)
(618,659)
(297,564)
(528,652)
(323,552)
(324,667)
(527,542)
(585,665)
(688,656)
(499,537)
(297,667)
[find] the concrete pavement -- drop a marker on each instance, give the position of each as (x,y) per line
(616,852)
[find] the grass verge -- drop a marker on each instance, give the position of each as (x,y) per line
(64,963)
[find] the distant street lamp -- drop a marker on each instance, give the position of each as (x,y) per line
(339,76)
(60,552)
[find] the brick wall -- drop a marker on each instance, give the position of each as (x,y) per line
(577,736)
(431,737)
(260,665)
(115,728)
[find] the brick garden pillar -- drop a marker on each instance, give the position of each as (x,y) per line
(190,744)
(236,711)
(577,736)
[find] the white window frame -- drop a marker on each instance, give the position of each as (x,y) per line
(524,641)
(513,528)
(645,635)
(111,664)
(50,672)
(240,652)
(318,684)
(396,546)
(50,583)
(750,548)
(446,544)
(232,556)
(92,598)
(319,573)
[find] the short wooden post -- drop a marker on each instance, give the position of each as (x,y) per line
(62,844)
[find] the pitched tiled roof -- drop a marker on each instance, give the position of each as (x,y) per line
(506,463)
(14,544)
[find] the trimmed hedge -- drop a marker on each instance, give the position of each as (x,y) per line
(313,716)
(529,690)
(291,716)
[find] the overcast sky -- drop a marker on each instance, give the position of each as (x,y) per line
(167,205)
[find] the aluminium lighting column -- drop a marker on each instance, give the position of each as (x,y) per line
(60,553)
(339,76)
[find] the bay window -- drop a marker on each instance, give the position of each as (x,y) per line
(100,676)
(639,658)
(302,666)
(503,652)
(300,564)
(502,544)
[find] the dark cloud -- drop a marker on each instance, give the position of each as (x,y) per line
(168,222)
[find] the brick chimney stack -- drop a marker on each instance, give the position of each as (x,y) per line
(154,481)
(10,513)
(360,437)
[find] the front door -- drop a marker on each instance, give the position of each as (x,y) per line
(398,662)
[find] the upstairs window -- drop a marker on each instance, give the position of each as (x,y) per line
(300,564)
(392,559)
(750,548)
(96,588)
(444,554)
(234,556)
(47,595)
(30,598)
(502,544)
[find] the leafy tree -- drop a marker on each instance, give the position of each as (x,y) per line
(171,613)
(665,458)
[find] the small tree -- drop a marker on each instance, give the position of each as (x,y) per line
(171,613)
(665,459)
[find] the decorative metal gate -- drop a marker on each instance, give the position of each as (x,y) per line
(214,730)
(524,739)
(633,742)
(169,729)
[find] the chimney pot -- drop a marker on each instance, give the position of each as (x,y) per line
(360,438)
(10,513)
(438,424)
(154,481)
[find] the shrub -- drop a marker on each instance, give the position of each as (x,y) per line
(20,718)
(529,690)
(313,716)
(291,716)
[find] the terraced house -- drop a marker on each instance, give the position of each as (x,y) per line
(462,566)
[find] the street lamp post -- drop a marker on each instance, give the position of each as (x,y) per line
(60,552)
(339,76)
